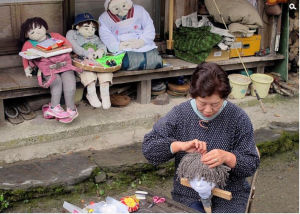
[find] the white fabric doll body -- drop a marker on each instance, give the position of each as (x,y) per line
(140,26)
(125,27)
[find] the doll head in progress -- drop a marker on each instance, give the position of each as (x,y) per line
(202,179)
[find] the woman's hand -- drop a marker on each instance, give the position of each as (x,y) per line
(189,146)
(217,157)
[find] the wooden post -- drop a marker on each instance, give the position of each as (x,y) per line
(170,42)
(144,92)
(260,69)
(2,116)
(273,35)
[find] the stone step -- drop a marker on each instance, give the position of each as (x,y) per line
(39,137)
(101,141)
(99,129)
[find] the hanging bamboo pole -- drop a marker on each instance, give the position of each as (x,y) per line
(170,42)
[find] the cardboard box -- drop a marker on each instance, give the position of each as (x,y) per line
(217,55)
(247,46)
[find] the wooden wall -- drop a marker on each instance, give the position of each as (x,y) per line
(14,13)
(181,8)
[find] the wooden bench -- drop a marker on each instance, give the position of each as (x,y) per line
(14,84)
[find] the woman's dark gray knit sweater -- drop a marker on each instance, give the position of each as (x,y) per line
(231,131)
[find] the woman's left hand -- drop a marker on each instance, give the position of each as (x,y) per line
(213,158)
(217,157)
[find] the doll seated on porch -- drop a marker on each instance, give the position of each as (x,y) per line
(57,70)
(125,27)
(88,45)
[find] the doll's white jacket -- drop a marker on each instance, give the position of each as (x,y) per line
(140,26)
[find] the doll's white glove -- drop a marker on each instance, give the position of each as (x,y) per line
(28,71)
(98,54)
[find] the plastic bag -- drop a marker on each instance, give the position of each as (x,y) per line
(110,206)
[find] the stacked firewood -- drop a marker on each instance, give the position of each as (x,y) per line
(279,86)
(294,43)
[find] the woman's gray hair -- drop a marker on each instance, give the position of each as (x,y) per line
(191,167)
(106,3)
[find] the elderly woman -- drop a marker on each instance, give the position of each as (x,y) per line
(216,128)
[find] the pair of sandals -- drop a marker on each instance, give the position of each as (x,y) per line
(17,113)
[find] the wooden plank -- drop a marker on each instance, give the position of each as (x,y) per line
(144,91)
(6,82)
(216,191)
(23,92)
(9,61)
(178,64)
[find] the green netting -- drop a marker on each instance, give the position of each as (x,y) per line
(118,59)
(194,44)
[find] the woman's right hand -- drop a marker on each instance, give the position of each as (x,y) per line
(190,146)
(194,146)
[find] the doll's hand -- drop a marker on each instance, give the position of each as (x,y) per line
(124,45)
(136,43)
(98,54)
(91,55)
(28,71)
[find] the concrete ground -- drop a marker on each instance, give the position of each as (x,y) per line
(45,153)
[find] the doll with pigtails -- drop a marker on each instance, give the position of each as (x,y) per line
(57,70)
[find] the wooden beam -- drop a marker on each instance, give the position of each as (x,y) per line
(68,14)
(2,115)
(144,92)
(216,191)
(170,42)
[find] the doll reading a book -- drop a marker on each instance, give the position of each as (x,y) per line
(57,70)
(88,45)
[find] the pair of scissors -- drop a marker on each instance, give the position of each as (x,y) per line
(157,200)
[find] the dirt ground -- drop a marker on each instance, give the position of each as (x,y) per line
(277,189)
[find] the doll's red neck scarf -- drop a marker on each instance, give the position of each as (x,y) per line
(117,18)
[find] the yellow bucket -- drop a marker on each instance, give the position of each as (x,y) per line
(239,85)
(262,83)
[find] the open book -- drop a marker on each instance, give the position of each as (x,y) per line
(50,44)
(34,53)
